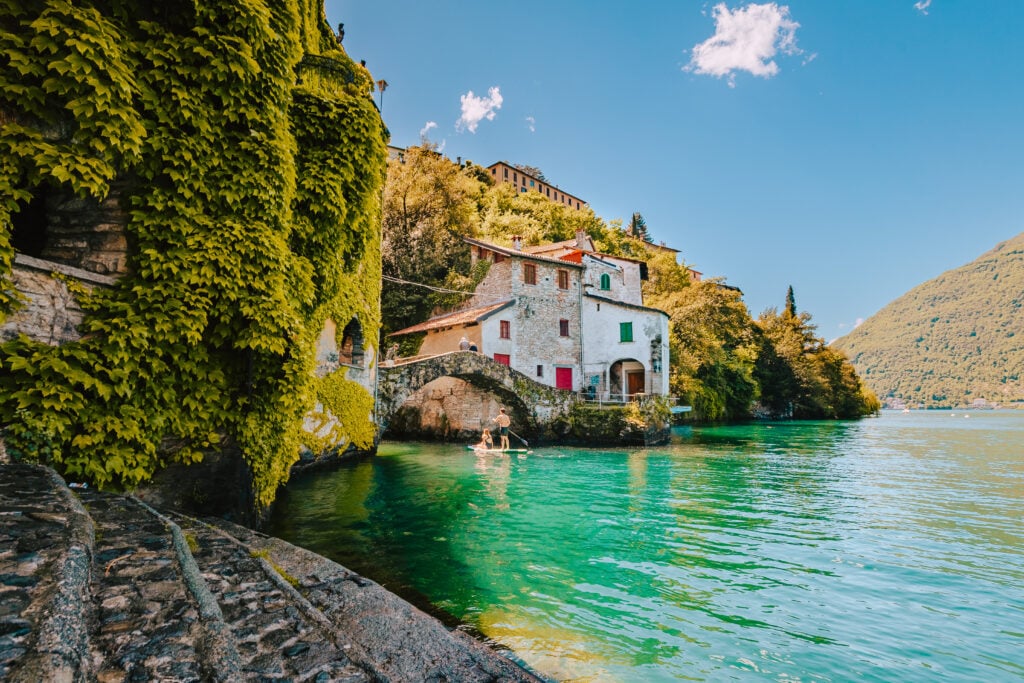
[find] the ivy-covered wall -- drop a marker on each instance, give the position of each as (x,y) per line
(249,159)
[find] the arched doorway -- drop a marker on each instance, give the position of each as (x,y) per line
(626,379)
(351,350)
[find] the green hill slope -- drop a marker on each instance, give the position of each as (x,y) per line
(951,340)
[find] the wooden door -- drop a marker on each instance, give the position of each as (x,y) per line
(634,383)
(563,378)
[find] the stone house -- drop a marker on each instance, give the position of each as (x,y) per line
(562,314)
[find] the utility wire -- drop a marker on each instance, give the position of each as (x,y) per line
(430,287)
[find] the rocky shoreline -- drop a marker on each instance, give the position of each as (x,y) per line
(102,587)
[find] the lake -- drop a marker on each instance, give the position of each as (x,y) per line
(887,549)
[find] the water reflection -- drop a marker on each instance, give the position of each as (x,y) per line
(891,548)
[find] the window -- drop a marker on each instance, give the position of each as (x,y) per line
(503,358)
(506,172)
(606,281)
(531,184)
(505,329)
(529,273)
(547,191)
(540,370)
(563,279)
(563,327)
(515,177)
(494,171)
(625,332)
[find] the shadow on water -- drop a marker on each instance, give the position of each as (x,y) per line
(764,552)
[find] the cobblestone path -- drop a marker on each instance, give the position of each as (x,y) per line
(276,638)
(101,587)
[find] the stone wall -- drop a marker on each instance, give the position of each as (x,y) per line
(87,234)
(447,409)
(50,313)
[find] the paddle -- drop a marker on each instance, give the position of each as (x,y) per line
(519,437)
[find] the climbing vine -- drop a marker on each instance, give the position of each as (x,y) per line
(252,196)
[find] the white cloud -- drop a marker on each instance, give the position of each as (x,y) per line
(858,323)
(476,109)
(427,127)
(922,6)
(532,123)
(746,39)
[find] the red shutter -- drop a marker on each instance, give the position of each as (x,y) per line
(503,358)
(563,378)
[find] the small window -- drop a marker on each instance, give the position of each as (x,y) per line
(540,370)
(494,171)
(531,184)
(563,327)
(515,177)
(505,329)
(563,279)
(547,191)
(506,172)
(529,273)
(625,332)
(606,281)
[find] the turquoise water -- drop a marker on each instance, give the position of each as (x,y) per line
(890,549)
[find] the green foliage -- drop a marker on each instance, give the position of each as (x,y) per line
(800,376)
(721,361)
(712,346)
(252,212)
(952,339)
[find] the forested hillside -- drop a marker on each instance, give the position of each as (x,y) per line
(951,340)
(725,364)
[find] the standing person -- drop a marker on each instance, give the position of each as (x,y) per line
(504,422)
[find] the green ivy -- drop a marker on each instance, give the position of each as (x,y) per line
(253,203)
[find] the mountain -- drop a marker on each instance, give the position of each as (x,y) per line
(952,340)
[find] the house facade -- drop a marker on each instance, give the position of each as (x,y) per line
(504,172)
(563,315)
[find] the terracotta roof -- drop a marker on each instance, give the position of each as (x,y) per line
(455,319)
(509,251)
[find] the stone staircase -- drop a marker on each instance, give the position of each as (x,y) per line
(101,587)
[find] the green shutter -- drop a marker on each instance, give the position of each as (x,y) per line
(625,332)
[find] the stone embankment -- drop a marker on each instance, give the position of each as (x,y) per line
(101,587)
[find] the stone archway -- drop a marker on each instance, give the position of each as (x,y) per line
(627,377)
(531,405)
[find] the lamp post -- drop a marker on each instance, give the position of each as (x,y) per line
(382,85)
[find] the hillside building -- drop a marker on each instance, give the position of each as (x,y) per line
(504,172)
(562,314)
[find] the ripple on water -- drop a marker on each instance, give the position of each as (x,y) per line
(881,550)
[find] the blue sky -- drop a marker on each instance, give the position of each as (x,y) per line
(850,148)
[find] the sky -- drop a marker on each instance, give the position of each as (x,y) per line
(851,149)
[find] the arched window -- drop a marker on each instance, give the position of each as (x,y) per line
(351,351)
(606,281)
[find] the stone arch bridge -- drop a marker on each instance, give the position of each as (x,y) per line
(533,406)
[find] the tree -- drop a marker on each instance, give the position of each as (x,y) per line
(712,349)
(531,170)
(429,204)
(790,302)
(638,227)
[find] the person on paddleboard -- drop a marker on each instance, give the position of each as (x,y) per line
(486,442)
(504,422)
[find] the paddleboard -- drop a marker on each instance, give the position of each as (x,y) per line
(499,450)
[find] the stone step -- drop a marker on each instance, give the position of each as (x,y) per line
(154,618)
(382,633)
(45,556)
(279,634)
(101,587)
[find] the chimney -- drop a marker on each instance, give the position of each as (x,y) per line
(517,242)
(458,160)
